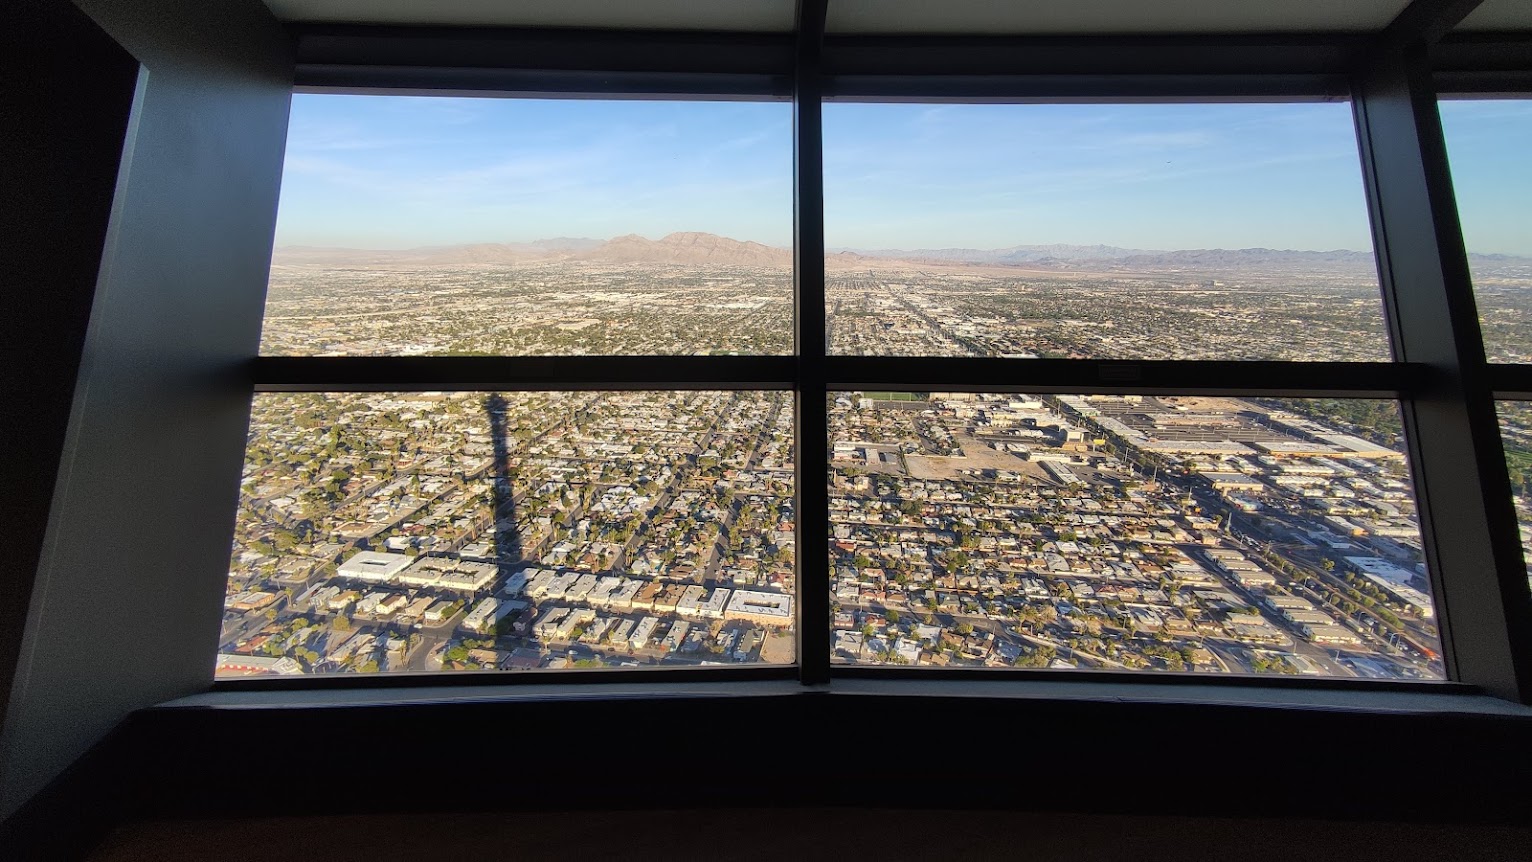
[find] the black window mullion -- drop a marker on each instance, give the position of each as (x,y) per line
(1513,382)
(1467,521)
(813,540)
(1086,376)
(403,373)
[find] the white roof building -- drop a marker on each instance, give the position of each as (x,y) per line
(690,598)
(374,566)
(548,625)
(676,635)
(580,590)
(773,609)
(848,644)
(622,597)
(621,631)
(1331,634)
(643,631)
(469,577)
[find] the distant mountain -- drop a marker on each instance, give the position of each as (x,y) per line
(693,248)
(689,248)
(681,249)
(1099,254)
(561,243)
(1012,254)
(301,255)
(484,252)
(476,253)
(1245,258)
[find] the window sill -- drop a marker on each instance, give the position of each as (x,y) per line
(1211,750)
(1449,700)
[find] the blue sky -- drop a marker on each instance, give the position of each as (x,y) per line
(1489,144)
(398,171)
(1140,176)
(371,171)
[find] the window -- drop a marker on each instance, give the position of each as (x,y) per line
(1197,231)
(1212,534)
(447,527)
(1101,386)
(1487,140)
(528,227)
(467,530)
(1119,531)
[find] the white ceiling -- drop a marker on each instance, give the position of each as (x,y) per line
(1109,16)
(739,15)
(1500,15)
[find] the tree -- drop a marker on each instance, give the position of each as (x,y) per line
(341,623)
(891,615)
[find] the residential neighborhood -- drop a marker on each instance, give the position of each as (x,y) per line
(465,531)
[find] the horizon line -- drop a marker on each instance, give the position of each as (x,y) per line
(854,249)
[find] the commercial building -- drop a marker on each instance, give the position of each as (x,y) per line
(374,566)
(1331,634)
(771,609)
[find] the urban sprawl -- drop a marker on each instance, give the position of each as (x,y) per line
(470,530)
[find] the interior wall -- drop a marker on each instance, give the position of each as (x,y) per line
(60,169)
(125,606)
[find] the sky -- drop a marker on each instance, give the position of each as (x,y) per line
(1489,146)
(406,171)
(400,171)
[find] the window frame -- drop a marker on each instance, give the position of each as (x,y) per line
(1438,376)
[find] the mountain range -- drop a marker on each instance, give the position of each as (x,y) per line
(691,248)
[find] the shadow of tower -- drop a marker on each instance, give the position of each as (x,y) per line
(508,548)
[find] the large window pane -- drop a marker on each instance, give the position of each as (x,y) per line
(422,532)
(1200,231)
(424,225)
(1488,142)
(1218,535)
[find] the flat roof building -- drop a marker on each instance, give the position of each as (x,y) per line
(772,609)
(643,631)
(374,566)
(1331,634)
(469,577)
